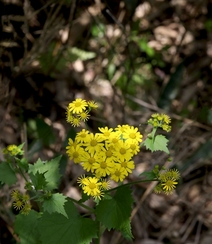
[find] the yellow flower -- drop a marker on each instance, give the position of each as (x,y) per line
(132,135)
(93,143)
(26,209)
(75,121)
(92,104)
(77,106)
(76,153)
(169,185)
(105,132)
(134,147)
(105,184)
(16,195)
(88,161)
(92,187)
(13,150)
(82,180)
(81,136)
(127,165)
(103,168)
(84,116)
(118,173)
(122,151)
(121,129)
(18,204)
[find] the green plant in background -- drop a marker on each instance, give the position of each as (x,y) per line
(105,156)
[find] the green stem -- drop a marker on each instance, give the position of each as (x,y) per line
(128,184)
(82,205)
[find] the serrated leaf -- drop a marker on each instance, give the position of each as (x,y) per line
(126,230)
(26,228)
(7,175)
(55,204)
(56,229)
(50,169)
(149,175)
(38,181)
(37,167)
(159,143)
(149,144)
(113,212)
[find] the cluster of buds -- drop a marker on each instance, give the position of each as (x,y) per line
(21,202)
(160,120)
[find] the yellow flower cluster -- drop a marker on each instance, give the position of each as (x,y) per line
(160,120)
(168,179)
(78,111)
(13,150)
(105,154)
(21,202)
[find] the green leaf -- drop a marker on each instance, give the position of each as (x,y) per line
(7,175)
(149,175)
(112,213)
(159,143)
(36,167)
(55,204)
(38,181)
(76,53)
(57,229)
(126,230)
(49,169)
(26,227)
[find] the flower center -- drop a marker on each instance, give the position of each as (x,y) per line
(92,185)
(122,150)
(93,143)
(75,155)
(132,136)
(103,165)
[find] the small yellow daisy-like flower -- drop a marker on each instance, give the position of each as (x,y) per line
(132,134)
(105,132)
(98,196)
(127,165)
(82,180)
(16,195)
(81,136)
(18,204)
(105,184)
(166,118)
(118,173)
(166,127)
(84,116)
(75,121)
(26,209)
(77,106)
(103,168)
(25,197)
(92,104)
(173,173)
(134,147)
(169,185)
(92,187)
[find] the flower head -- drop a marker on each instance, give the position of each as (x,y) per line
(92,186)
(77,106)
